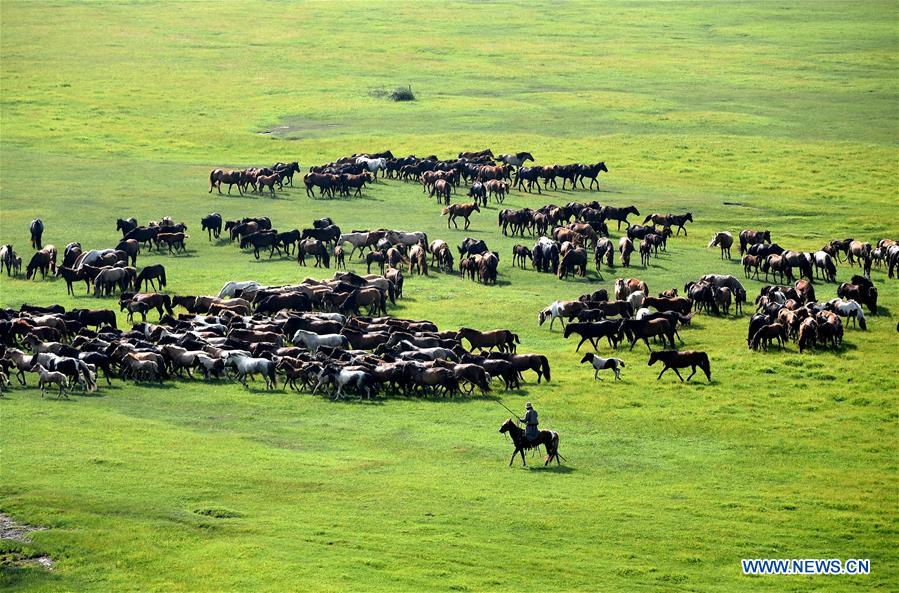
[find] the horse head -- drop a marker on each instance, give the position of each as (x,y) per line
(508,426)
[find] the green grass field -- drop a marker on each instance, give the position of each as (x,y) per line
(768,115)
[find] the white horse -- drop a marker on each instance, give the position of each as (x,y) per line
(636,299)
(247,365)
(50,378)
(313,341)
(372,165)
(405,238)
(432,353)
(641,313)
(825,263)
(357,240)
(231,289)
(91,258)
(340,377)
(556,310)
(603,363)
(849,309)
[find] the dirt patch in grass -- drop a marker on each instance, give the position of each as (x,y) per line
(299,128)
(14,549)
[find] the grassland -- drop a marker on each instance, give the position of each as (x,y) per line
(781,116)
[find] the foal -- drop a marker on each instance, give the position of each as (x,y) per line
(603,363)
(48,377)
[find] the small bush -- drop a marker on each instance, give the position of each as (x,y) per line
(398,94)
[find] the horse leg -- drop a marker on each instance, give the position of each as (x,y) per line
(676,372)
(583,339)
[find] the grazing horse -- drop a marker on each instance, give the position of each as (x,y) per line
(547,438)
(600,364)
(674,360)
(671,220)
(849,309)
(148,274)
(43,260)
(626,248)
(219,176)
(725,241)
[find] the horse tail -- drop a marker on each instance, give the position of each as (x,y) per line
(515,338)
(211,180)
(167,302)
(544,365)
(391,293)
(445,211)
(162,281)
(647,219)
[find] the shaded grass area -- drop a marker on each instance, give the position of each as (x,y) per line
(780,117)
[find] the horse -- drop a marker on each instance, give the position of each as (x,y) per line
(600,364)
(213,224)
(109,278)
(618,214)
(637,330)
(37,231)
(516,159)
(750,263)
(326,182)
(767,334)
(724,241)
(530,174)
(51,377)
(43,260)
(590,172)
(547,438)
(342,377)
(559,310)
(671,220)
(316,249)
(148,274)
(624,287)
(232,289)
(260,240)
(7,258)
(594,332)
(313,341)
(372,165)
(520,256)
(749,237)
(626,248)
(476,155)
(674,360)
(849,309)
(219,176)
(246,365)
(500,338)
(126,225)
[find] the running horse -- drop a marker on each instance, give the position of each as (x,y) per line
(547,438)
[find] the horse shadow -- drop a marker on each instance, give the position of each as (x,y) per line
(552,469)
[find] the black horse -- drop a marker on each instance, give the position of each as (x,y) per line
(213,224)
(37,231)
(547,438)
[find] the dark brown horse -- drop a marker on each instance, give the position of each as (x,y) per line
(547,438)
(499,338)
(671,220)
(749,237)
(674,360)
(618,214)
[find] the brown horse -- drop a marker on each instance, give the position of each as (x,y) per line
(499,338)
(749,237)
(674,360)
(219,176)
(269,181)
(547,438)
(723,240)
(454,211)
(671,220)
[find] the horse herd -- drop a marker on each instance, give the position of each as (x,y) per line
(311,335)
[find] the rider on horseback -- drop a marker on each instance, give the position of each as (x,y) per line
(530,421)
